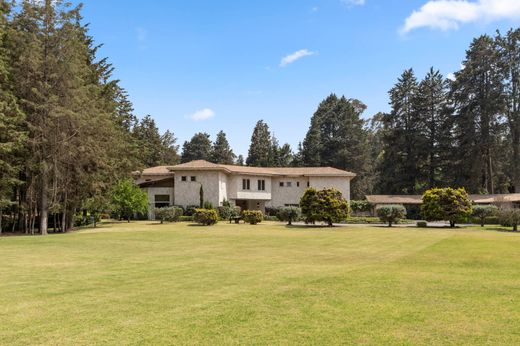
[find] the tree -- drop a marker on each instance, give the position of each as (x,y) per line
(240,160)
(435,123)
(324,205)
(222,152)
(129,199)
(509,56)
(391,213)
(155,149)
(399,169)
(337,137)
(198,148)
(446,204)
(509,217)
(289,214)
(484,211)
(12,124)
(260,150)
(478,101)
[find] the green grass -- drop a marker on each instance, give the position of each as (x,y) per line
(145,283)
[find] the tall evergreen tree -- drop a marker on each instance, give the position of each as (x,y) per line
(509,55)
(479,103)
(399,168)
(435,116)
(260,150)
(198,148)
(155,149)
(222,152)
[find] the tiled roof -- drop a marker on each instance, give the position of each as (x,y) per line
(309,171)
(417,199)
(158,170)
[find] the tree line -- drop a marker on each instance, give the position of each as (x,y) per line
(69,134)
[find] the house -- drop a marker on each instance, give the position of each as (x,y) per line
(247,187)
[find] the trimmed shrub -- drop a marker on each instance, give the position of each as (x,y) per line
(361,206)
(272,211)
(391,213)
(509,218)
(227,212)
(289,214)
(422,224)
(252,216)
(208,205)
(446,204)
(169,214)
(482,212)
(271,218)
(206,217)
(324,205)
(190,210)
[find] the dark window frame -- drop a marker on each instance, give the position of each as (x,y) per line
(193,178)
(261,184)
(184,178)
(246,184)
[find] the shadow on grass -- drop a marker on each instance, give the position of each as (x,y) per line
(501,229)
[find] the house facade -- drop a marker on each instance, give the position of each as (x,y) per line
(253,188)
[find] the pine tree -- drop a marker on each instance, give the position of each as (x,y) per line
(435,116)
(198,148)
(399,168)
(261,146)
(154,149)
(240,160)
(222,152)
(477,93)
(12,123)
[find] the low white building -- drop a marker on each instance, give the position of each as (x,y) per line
(247,187)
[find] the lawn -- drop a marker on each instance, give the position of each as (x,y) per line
(146,283)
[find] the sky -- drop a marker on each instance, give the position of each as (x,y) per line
(206,65)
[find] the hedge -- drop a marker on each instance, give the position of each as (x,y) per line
(206,217)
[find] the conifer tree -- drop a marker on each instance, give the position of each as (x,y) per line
(198,148)
(261,146)
(221,151)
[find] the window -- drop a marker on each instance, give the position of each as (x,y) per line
(298,184)
(193,178)
(184,178)
(289,184)
(261,185)
(281,184)
(162,201)
(308,184)
(246,184)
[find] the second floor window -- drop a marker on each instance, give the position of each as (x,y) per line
(246,184)
(261,185)
(193,178)
(289,184)
(281,184)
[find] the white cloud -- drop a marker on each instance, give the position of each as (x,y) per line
(450,14)
(351,3)
(451,76)
(289,59)
(203,114)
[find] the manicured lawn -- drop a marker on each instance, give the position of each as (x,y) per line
(145,283)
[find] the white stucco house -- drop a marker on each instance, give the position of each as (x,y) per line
(253,188)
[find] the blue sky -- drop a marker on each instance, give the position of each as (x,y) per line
(222,62)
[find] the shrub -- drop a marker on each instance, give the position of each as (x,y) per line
(446,204)
(252,216)
(205,217)
(391,213)
(324,205)
(482,212)
(509,218)
(272,211)
(422,224)
(208,205)
(361,206)
(227,212)
(271,218)
(289,214)
(169,214)
(190,210)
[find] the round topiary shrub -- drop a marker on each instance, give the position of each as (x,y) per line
(422,224)
(169,214)
(483,212)
(227,212)
(289,214)
(391,213)
(252,216)
(206,217)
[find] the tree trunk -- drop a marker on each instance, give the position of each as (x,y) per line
(389,223)
(452,224)
(515,227)
(44,203)
(1,215)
